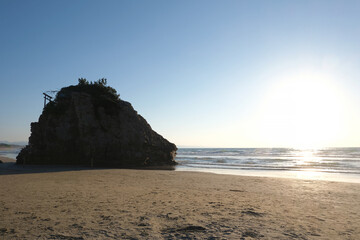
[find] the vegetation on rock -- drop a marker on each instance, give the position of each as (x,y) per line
(103,95)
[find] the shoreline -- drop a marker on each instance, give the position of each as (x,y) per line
(311,173)
(282,174)
(296,175)
(143,204)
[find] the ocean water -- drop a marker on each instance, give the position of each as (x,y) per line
(334,164)
(10,153)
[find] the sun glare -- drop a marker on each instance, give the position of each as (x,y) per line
(302,110)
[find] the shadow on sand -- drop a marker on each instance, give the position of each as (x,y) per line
(8,168)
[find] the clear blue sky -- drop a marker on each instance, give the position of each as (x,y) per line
(203,73)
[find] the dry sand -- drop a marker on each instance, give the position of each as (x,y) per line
(154,204)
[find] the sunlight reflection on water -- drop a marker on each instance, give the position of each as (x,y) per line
(333,164)
(307,157)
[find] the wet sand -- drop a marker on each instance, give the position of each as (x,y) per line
(155,204)
(5,159)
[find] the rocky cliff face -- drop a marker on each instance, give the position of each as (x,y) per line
(88,124)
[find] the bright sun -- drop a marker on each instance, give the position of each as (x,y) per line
(302,110)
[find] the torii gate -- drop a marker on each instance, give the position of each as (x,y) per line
(46,98)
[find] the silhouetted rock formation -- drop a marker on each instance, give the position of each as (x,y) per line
(88,124)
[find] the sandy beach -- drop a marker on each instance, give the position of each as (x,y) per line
(155,204)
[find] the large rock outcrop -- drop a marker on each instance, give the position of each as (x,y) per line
(88,124)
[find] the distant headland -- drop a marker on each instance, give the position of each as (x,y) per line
(9,145)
